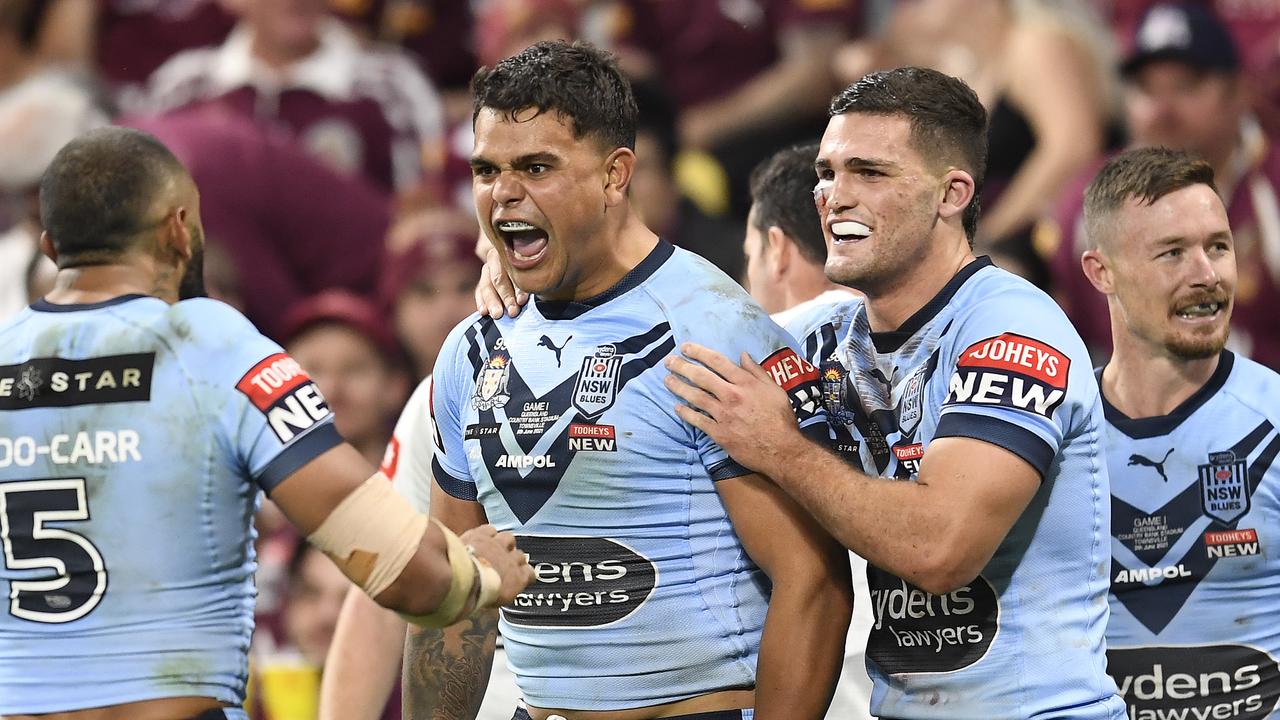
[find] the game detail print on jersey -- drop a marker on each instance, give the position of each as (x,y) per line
(989,358)
(559,424)
(1193,630)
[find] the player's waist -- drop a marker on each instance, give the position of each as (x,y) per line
(190,708)
(724,705)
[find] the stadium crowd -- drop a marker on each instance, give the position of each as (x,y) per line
(331,142)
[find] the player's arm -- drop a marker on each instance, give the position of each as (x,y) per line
(392,552)
(360,669)
(937,533)
(446,671)
(802,649)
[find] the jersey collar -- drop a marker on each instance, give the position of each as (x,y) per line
(891,340)
(1149,427)
(571,309)
(43,305)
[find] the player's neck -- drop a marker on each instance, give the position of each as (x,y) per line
(626,248)
(98,283)
(889,307)
(1140,382)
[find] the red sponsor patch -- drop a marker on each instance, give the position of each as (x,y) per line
(914,451)
(1023,355)
(391,458)
(789,370)
(1231,537)
(271,379)
(578,430)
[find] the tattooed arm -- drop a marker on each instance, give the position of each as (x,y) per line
(446,671)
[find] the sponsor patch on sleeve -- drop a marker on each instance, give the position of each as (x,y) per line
(391,458)
(285,394)
(1010,370)
(800,379)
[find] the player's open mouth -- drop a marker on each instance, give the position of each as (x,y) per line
(849,231)
(526,242)
(1201,311)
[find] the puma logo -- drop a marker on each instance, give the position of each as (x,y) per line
(1136,459)
(547,343)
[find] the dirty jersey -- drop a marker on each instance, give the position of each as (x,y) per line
(1195,569)
(558,423)
(991,358)
(135,437)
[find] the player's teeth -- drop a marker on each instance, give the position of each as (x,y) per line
(850,227)
(1201,310)
(515,226)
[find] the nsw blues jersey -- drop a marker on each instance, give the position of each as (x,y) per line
(558,422)
(1195,542)
(991,358)
(134,438)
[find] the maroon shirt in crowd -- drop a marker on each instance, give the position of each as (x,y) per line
(1254,213)
(436,32)
(364,112)
(292,226)
(706,49)
(136,36)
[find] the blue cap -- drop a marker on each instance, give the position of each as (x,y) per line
(1187,32)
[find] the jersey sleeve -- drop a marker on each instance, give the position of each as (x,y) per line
(407,461)
(737,325)
(273,418)
(1019,378)
(446,395)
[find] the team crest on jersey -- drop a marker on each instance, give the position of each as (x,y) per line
(1224,487)
(909,406)
(491,390)
(835,391)
(597,386)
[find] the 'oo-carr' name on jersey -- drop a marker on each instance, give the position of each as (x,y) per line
(134,437)
(992,358)
(558,422)
(1195,564)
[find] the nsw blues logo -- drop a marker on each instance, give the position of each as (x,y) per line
(491,390)
(597,386)
(1224,490)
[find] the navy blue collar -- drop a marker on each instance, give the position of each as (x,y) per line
(890,340)
(1149,427)
(570,309)
(43,305)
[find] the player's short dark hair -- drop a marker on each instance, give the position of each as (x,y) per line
(1144,174)
(782,196)
(96,194)
(575,80)
(948,122)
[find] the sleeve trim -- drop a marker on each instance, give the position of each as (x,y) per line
(457,487)
(1001,433)
(319,440)
(726,469)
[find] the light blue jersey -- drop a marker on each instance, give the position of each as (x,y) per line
(991,358)
(134,438)
(558,422)
(1195,542)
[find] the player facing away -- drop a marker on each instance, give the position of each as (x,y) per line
(966,462)
(670,581)
(1191,445)
(138,423)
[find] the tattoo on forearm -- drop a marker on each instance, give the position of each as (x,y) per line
(446,671)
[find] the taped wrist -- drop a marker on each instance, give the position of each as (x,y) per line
(466,569)
(371,535)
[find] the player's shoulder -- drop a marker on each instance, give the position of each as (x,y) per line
(1254,386)
(693,294)
(812,319)
(996,297)
(211,333)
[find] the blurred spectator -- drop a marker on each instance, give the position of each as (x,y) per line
(1044,69)
(1184,90)
(291,226)
(657,196)
(436,32)
(364,112)
(748,76)
(40,110)
(431,287)
(345,345)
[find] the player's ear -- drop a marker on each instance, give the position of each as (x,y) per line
(778,251)
(958,190)
(178,235)
(1097,267)
(619,167)
(46,247)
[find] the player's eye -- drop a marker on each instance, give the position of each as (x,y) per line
(538,169)
(483,171)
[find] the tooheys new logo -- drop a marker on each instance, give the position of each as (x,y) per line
(916,631)
(1196,683)
(581,582)
(1012,371)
